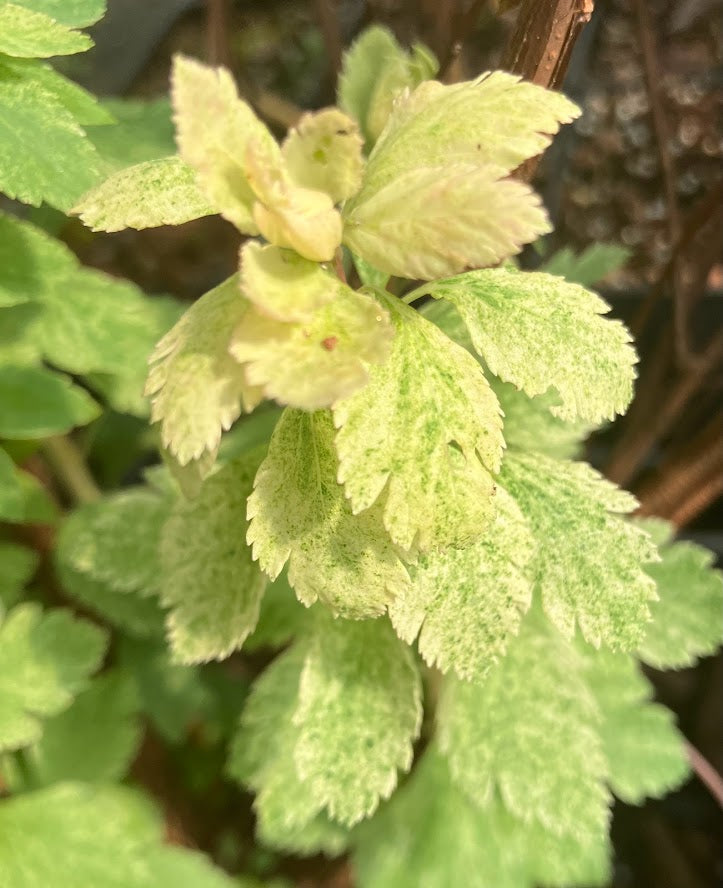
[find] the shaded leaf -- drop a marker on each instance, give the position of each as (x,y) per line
(37,403)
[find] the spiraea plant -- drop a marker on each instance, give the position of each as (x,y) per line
(460,606)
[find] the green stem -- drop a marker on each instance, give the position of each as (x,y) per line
(68,465)
(408,298)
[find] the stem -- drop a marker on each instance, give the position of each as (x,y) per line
(339,265)
(706,773)
(408,298)
(68,465)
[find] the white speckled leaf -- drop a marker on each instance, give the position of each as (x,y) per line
(466,604)
(423,438)
(197,389)
(299,514)
(590,563)
(538,331)
(27,34)
(208,577)
(359,712)
(158,192)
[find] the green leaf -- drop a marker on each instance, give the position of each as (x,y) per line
(144,131)
(368,275)
(262,758)
(104,836)
(496,120)
(11,496)
(115,540)
(214,130)
(38,403)
(423,438)
(688,617)
(299,514)
(433,221)
(590,563)
(197,389)
(284,285)
(94,740)
(45,660)
(508,734)
(374,71)
(311,363)
(56,168)
(466,604)
(644,750)
(171,695)
(33,35)
(588,267)
(17,565)
(157,192)
(537,331)
(208,578)
(431,834)
(130,612)
(359,712)
(23,500)
(74,13)
(324,152)
(84,107)
(281,618)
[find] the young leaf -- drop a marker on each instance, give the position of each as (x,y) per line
(431,221)
(158,192)
(288,215)
(324,152)
(45,660)
(33,35)
(299,514)
(425,432)
(311,363)
(94,740)
(208,577)
(538,331)
(73,13)
(590,562)
(539,684)
(214,128)
(115,540)
(197,389)
(431,834)
(359,712)
(104,836)
(374,71)
(38,403)
(644,750)
(56,168)
(466,604)
(688,617)
(282,284)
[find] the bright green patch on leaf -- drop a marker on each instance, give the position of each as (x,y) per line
(588,267)
(33,35)
(208,577)
(299,514)
(324,152)
(590,563)
(45,660)
(311,363)
(157,192)
(423,437)
(538,331)
(466,604)
(688,617)
(359,713)
(197,389)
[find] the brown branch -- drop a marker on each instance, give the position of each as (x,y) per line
(217,32)
(70,470)
(331,31)
(706,773)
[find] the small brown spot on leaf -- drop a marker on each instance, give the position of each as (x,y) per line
(329,343)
